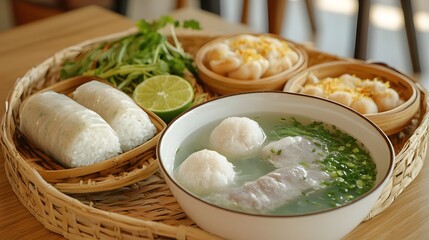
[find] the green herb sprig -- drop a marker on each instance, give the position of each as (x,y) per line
(130,60)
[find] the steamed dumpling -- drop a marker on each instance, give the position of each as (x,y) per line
(222,60)
(313,90)
(205,171)
(365,105)
(250,69)
(387,99)
(342,97)
(237,137)
(248,57)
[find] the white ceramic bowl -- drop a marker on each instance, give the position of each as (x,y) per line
(330,224)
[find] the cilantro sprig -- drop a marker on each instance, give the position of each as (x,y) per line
(130,60)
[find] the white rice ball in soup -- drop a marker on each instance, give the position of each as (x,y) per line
(237,137)
(205,171)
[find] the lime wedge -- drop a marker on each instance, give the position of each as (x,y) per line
(165,95)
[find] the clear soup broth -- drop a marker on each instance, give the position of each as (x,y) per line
(351,170)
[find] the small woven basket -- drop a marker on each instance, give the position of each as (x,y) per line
(226,85)
(147,209)
(391,121)
(129,167)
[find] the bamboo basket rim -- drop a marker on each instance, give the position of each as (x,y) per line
(67,215)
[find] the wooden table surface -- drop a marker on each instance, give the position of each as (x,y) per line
(26,46)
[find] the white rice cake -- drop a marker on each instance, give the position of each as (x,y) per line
(68,132)
(130,122)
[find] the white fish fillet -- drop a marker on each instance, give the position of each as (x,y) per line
(277,188)
(297,173)
(292,151)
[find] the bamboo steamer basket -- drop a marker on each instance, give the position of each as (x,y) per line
(147,209)
(225,85)
(391,121)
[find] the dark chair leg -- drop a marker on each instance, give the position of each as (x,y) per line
(362,26)
(120,6)
(311,16)
(211,6)
(411,34)
(276,10)
(245,12)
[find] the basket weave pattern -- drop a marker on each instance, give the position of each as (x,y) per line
(147,209)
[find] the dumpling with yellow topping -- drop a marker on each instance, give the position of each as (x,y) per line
(342,97)
(222,60)
(249,57)
(387,99)
(253,66)
(364,105)
(313,90)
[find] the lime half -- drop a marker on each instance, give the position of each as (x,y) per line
(165,95)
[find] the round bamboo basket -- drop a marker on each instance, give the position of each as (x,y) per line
(146,209)
(391,121)
(226,85)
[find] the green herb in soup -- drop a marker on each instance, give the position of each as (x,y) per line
(351,167)
(274,164)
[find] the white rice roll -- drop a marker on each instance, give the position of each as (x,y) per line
(205,172)
(237,137)
(129,121)
(342,97)
(65,130)
(386,100)
(365,105)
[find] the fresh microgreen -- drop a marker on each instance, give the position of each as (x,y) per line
(130,60)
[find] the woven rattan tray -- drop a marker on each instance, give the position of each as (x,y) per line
(147,209)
